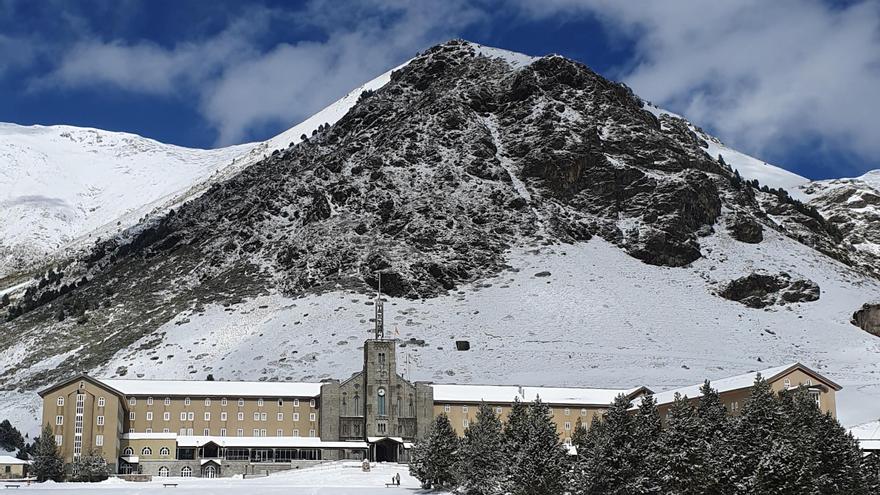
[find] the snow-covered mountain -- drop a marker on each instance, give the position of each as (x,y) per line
(572,234)
(63,187)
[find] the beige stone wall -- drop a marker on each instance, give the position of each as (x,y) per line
(307,416)
(565,416)
(111,413)
(734,400)
(154,444)
(8,471)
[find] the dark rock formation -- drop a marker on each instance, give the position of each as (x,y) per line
(745,229)
(868,318)
(759,290)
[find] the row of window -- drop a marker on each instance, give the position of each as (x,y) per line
(498,409)
(60,401)
(187,401)
(190,416)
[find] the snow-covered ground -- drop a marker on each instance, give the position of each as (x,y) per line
(600,319)
(339,478)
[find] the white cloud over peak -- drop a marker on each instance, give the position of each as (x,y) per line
(764,76)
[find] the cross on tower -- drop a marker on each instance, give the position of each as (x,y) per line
(380,312)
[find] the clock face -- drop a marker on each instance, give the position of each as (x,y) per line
(381,392)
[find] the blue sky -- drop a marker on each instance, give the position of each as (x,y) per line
(794,82)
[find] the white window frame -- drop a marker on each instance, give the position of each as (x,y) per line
(99,420)
(313,417)
(240,416)
(149,415)
(239,432)
(187,401)
(465,423)
(206,432)
(149,401)
(132,401)
(164,452)
(295,402)
(240,402)
(146,451)
(59,439)
(223,402)
(183,415)
(312,433)
(296,416)
(567,426)
(207,415)
(280,416)
(190,416)
(167,401)
(279,432)
(256,416)
(222,432)
(99,440)
(131,415)
(295,432)
(259,402)
(312,403)
(447,408)
(60,401)
(207,401)
(223,416)
(101,402)
(498,410)
(59,420)
(166,416)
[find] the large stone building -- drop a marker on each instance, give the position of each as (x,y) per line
(220,428)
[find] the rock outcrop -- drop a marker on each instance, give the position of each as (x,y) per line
(760,290)
(868,318)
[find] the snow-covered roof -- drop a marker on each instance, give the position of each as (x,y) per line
(868,435)
(293,442)
(194,388)
(737,382)
(8,459)
(149,436)
(508,393)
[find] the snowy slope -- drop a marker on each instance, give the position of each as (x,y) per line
(601,319)
(59,183)
(62,184)
(749,167)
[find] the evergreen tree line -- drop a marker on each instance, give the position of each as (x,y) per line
(779,444)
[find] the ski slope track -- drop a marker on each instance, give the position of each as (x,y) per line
(574,235)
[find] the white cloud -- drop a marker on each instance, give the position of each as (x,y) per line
(764,75)
(241,88)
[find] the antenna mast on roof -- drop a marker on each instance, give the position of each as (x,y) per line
(380,312)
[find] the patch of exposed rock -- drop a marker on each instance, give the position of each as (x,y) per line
(760,290)
(745,229)
(868,318)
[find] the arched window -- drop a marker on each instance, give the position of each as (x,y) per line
(164,452)
(163,471)
(186,472)
(146,451)
(380,402)
(357,403)
(128,451)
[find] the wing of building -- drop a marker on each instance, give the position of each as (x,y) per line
(220,428)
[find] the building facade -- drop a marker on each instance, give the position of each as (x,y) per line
(218,428)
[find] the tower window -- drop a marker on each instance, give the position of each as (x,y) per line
(380,402)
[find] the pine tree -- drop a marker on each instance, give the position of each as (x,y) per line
(871,472)
(90,467)
(481,455)
(538,463)
(680,450)
(647,428)
(48,464)
(754,434)
(433,458)
(714,426)
(608,466)
(782,470)
(10,437)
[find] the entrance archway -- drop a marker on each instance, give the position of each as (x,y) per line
(386,450)
(210,471)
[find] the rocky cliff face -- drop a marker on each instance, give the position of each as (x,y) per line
(430,180)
